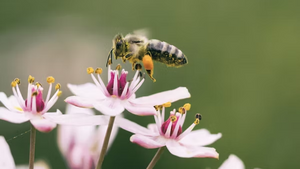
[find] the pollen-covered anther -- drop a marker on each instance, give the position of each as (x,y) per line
(59,93)
(30,79)
(98,71)
(168,104)
(187,106)
(57,86)
(50,79)
(90,70)
(173,118)
(38,84)
(13,84)
(119,67)
(198,118)
(34,93)
(181,110)
(158,107)
(17,80)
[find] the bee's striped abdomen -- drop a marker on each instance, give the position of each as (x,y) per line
(166,53)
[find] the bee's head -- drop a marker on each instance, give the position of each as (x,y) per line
(118,45)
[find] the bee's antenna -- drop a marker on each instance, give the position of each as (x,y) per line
(109,58)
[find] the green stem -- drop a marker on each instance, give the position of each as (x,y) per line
(105,142)
(32,146)
(156,157)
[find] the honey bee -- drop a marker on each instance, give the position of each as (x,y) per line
(136,48)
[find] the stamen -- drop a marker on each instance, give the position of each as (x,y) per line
(168,132)
(34,94)
(175,132)
(173,118)
(59,93)
(181,110)
(98,71)
(57,86)
(38,84)
(188,130)
(90,70)
(13,84)
(50,79)
(119,67)
(33,107)
(138,66)
(168,104)
(198,118)
(187,106)
(17,80)
(30,79)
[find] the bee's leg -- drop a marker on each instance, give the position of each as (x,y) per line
(109,58)
(148,64)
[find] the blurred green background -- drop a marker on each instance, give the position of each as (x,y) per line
(243,71)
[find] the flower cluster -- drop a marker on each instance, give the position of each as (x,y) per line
(83,144)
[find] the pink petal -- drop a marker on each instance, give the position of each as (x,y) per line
(164,97)
(6,159)
(80,101)
(179,150)
(42,124)
(88,90)
(133,127)
(141,110)
(147,141)
(200,137)
(153,127)
(11,116)
(233,162)
(110,106)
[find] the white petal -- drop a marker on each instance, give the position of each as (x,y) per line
(42,124)
(147,141)
(200,137)
(80,101)
(109,106)
(179,150)
(88,90)
(153,127)
(133,127)
(141,110)
(11,116)
(233,162)
(37,165)
(10,102)
(164,97)
(6,159)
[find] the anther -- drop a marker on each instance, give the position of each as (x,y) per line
(168,104)
(198,116)
(34,93)
(50,79)
(138,66)
(109,62)
(158,107)
(17,80)
(181,110)
(90,70)
(98,71)
(30,79)
(38,84)
(173,118)
(187,106)
(119,67)
(13,84)
(59,93)
(57,86)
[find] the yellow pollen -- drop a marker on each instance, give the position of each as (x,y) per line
(50,79)
(119,67)
(197,121)
(57,86)
(18,108)
(98,71)
(168,104)
(38,84)
(187,106)
(109,62)
(90,70)
(13,84)
(34,93)
(113,96)
(173,118)
(30,79)
(17,80)
(59,93)
(181,110)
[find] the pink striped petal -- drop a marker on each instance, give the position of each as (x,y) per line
(179,150)
(80,101)
(42,124)
(148,141)
(200,137)
(233,162)
(89,90)
(133,127)
(6,159)
(110,106)
(141,110)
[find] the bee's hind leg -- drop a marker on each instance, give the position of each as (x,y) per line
(148,64)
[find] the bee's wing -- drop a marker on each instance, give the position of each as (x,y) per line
(142,32)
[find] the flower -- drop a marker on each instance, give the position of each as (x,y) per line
(33,108)
(233,162)
(7,161)
(81,146)
(169,133)
(119,94)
